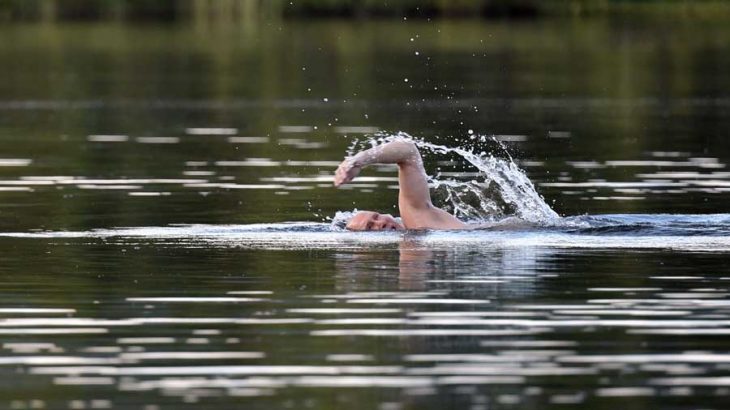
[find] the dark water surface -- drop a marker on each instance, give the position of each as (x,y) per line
(149,175)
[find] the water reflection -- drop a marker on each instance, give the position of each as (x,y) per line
(423,264)
(433,323)
(234,309)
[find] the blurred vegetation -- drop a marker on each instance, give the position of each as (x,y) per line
(242,10)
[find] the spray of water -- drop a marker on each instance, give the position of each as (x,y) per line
(505,189)
(500,191)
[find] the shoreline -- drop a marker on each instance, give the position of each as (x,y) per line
(250,10)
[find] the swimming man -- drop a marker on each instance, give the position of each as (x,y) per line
(414,198)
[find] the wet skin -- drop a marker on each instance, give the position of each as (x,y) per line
(414,199)
(374,221)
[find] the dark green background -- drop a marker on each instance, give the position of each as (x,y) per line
(621,88)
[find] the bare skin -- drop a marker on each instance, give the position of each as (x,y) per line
(374,221)
(414,198)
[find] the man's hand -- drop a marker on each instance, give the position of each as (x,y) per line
(347,171)
(414,198)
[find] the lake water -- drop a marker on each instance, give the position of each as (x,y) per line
(166,206)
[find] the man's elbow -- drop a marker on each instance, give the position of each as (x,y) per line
(409,145)
(408,152)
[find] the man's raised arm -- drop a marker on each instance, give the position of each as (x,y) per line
(414,199)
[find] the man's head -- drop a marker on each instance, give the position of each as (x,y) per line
(373,221)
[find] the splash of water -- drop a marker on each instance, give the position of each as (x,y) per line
(339,221)
(502,190)
(516,194)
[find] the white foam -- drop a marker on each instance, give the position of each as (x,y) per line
(514,188)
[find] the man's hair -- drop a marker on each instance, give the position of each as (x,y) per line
(342,218)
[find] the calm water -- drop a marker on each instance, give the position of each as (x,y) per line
(165,195)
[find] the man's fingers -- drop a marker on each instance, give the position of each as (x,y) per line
(345,173)
(342,179)
(339,180)
(340,175)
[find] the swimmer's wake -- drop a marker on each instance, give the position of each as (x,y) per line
(517,217)
(624,231)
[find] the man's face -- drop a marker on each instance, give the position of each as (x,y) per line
(373,221)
